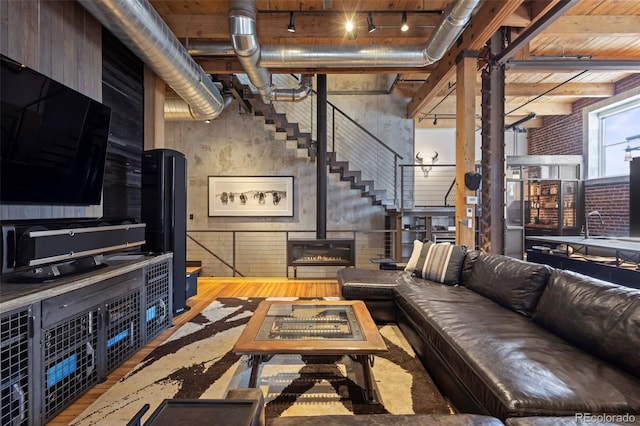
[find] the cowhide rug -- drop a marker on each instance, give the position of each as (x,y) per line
(196,362)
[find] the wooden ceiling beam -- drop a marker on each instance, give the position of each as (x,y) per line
(587,90)
(483,25)
(583,90)
(519,19)
(448,107)
(594,25)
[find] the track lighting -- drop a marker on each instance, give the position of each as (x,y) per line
(627,151)
(435,120)
(292,25)
(405,25)
(515,125)
(371,28)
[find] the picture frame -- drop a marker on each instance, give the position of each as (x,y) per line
(250,196)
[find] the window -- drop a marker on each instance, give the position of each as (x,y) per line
(609,128)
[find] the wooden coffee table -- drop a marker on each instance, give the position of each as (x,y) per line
(333,327)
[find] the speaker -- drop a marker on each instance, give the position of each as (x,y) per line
(472,180)
(164,210)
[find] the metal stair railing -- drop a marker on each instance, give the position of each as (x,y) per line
(432,189)
(375,164)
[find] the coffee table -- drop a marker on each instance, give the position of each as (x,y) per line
(328,327)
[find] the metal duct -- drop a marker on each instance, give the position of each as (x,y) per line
(374,55)
(294,94)
(143,31)
(176,109)
(242,28)
(208,48)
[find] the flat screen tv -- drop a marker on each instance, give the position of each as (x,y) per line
(53,140)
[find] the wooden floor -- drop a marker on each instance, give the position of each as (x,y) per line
(209,289)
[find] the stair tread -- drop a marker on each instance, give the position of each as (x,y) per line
(303,143)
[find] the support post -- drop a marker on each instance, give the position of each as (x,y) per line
(465,145)
(154,88)
(492,223)
(321,167)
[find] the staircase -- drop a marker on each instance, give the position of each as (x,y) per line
(350,146)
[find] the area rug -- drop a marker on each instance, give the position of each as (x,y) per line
(196,362)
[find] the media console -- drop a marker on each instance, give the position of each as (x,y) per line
(61,338)
(38,250)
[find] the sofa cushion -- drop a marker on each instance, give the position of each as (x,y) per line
(513,283)
(371,284)
(597,316)
(440,262)
(387,419)
(579,419)
(511,365)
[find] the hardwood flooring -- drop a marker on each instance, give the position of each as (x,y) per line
(209,289)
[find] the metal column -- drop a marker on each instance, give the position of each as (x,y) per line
(321,168)
(492,224)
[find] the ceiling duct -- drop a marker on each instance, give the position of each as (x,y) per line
(143,31)
(412,55)
(176,109)
(244,39)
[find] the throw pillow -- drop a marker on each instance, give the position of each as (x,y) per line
(415,254)
(440,262)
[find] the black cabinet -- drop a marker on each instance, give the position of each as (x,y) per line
(56,349)
(16,366)
(157,299)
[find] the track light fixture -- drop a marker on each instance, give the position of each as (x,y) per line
(515,125)
(627,151)
(435,119)
(371,28)
(405,25)
(292,25)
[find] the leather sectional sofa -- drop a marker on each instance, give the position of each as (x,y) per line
(514,339)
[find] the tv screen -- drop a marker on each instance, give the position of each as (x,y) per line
(53,140)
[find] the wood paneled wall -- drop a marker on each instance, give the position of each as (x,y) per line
(123,92)
(61,40)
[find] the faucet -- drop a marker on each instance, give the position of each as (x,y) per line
(586,221)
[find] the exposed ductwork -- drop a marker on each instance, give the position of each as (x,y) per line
(294,94)
(176,109)
(208,48)
(143,31)
(369,55)
(244,39)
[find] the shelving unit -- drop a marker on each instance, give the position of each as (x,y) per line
(544,196)
(551,207)
(423,224)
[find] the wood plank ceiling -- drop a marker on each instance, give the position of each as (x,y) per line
(586,31)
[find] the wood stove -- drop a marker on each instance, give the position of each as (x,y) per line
(321,252)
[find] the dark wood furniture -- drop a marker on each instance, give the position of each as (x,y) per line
(333,327)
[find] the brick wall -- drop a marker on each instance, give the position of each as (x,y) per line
(612,201)
(562,135)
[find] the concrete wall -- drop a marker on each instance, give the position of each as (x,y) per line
(238,145)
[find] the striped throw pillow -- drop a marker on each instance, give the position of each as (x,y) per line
(440,262)
(415,255)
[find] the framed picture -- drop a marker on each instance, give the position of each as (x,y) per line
(251,196)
